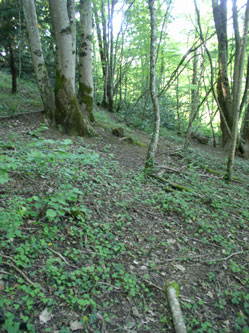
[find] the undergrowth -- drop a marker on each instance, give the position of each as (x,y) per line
(26,99)
(87,242)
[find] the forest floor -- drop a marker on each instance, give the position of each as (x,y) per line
(88,241)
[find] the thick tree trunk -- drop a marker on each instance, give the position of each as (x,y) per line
(155,136)
(68,114)
(42,78)
(85,94)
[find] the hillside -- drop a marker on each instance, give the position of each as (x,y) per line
(88,241)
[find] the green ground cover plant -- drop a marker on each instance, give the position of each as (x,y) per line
(89,240)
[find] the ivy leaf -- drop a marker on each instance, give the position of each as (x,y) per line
(67,142)
(3,177)
(51,213)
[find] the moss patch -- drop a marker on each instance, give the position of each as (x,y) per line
(68,113)
(85,97)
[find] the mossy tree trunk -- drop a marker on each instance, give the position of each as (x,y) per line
(13,68)
(85,93)
(155,136)
(223,87)
(103,46)
(43,81)
(240,50)
(244,143)
(68,114)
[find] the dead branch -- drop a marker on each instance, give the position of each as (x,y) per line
(172,295)
(13,265)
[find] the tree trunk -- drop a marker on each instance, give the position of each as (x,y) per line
(13,69)
(68,114)
(237,81)
(71,15)
(244,144)
(85,94)
(111,69)
(102,50)
(155,136)
(223,87)
(244,133)
(40,69)
(194,100)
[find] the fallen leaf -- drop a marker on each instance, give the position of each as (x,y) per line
(136,312)
(76,325)
(45,316)
(180,268)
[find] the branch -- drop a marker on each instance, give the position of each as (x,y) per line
(172,295)
(13,265)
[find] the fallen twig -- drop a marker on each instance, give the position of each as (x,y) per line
(231,255)
(16,115)
(61,256)
(13,265)
(152,284)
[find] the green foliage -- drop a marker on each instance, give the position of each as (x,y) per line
(27,98)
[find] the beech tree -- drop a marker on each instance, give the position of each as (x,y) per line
(43,81)
(85,94)
(245,133)
(68,113)
(156,127)
(8,35)
(237,81)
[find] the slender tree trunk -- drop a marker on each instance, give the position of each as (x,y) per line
(20,41)
(68,114)
(111,68)
(102,52)
(71,15)
(105,63)
(155,136)
(237,82)
(244,133)
(85,94)
(194,100)
(40,69)
(223,87)
(178,107)
(244,144)
(13,69)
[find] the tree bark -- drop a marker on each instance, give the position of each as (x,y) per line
(71,15)
(194,99)
(223,87)
(85,93)
(155,136)
(40,69)
(237,81)
(244,144)
(244,133)
(13,69)
(68,114)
